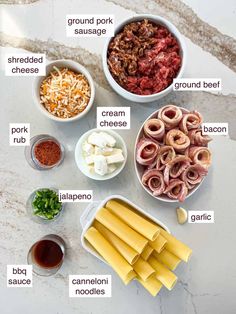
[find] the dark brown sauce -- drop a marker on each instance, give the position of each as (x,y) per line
(47,254)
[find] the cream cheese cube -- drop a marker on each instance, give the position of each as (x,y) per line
(115,151)
(100,165)
(103,151)
(111,141)
(97,140)
(88,148)
(115,158)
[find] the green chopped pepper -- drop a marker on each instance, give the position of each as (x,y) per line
(46,204)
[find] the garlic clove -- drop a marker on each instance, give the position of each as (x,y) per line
(182,215)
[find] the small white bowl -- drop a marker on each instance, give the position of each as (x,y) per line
(80,160)
(144,98)
(139,168)
(72,65)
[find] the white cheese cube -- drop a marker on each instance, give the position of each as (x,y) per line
(105,151)
(89,159)
(97,140)
(111,168)
(111,141)
(115,151)
(88,148)
(100,165)
(115,158)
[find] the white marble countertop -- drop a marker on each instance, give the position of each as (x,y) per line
(207,284)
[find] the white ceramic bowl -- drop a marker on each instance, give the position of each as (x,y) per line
(80,160)
(63,64)
(144,98)
(139,168)
(88,217)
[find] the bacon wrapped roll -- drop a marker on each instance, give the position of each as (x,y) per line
(170,115)
(200,155)
(193,175)
(153,178)
(198,139)
(190,121)
(146,151)
(176,190)
(164,155)
(175,167)
(178,140)
(154,128)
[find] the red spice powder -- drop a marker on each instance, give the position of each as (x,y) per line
(48,153)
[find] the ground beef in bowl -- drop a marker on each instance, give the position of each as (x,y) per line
(144,57)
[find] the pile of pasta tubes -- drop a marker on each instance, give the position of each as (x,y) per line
(135,247)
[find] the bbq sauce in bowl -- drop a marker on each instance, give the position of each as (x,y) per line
(47,254)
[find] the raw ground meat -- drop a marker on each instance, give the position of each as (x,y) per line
(144,57)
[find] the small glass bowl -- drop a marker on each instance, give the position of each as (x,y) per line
(29,152)
(30,208)
(39,270)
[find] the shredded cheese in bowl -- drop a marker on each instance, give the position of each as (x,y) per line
(65,93)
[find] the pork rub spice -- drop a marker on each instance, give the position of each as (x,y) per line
(47,153)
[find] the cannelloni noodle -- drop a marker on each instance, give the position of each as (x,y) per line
(147,252)
(168,259)
(143,269)
(124,249)
(163,274)
(176,247)
(135,221)
(107,251)
(159,244)
(119,228)
(152,285)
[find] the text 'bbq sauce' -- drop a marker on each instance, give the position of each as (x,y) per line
(47,254)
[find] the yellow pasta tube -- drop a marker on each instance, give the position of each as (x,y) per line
(168,259)
(159,243)
(135,221)
(124,249)
(147,252)
(152,285)
(166,277)
(107,251)
(143,269)
(121,230)
(130,277)
(176,247)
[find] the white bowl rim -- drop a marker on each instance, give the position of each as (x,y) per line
(176,33)
(107,176)
(65,63)
(160,198)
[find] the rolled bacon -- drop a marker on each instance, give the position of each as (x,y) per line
(193,175)
(200,155)
(176,190)
(164,155)
(198,139)
(146,151)
(176,167)
(190,121)
(170,115)
(153,178)
(178,140)
(154,128)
